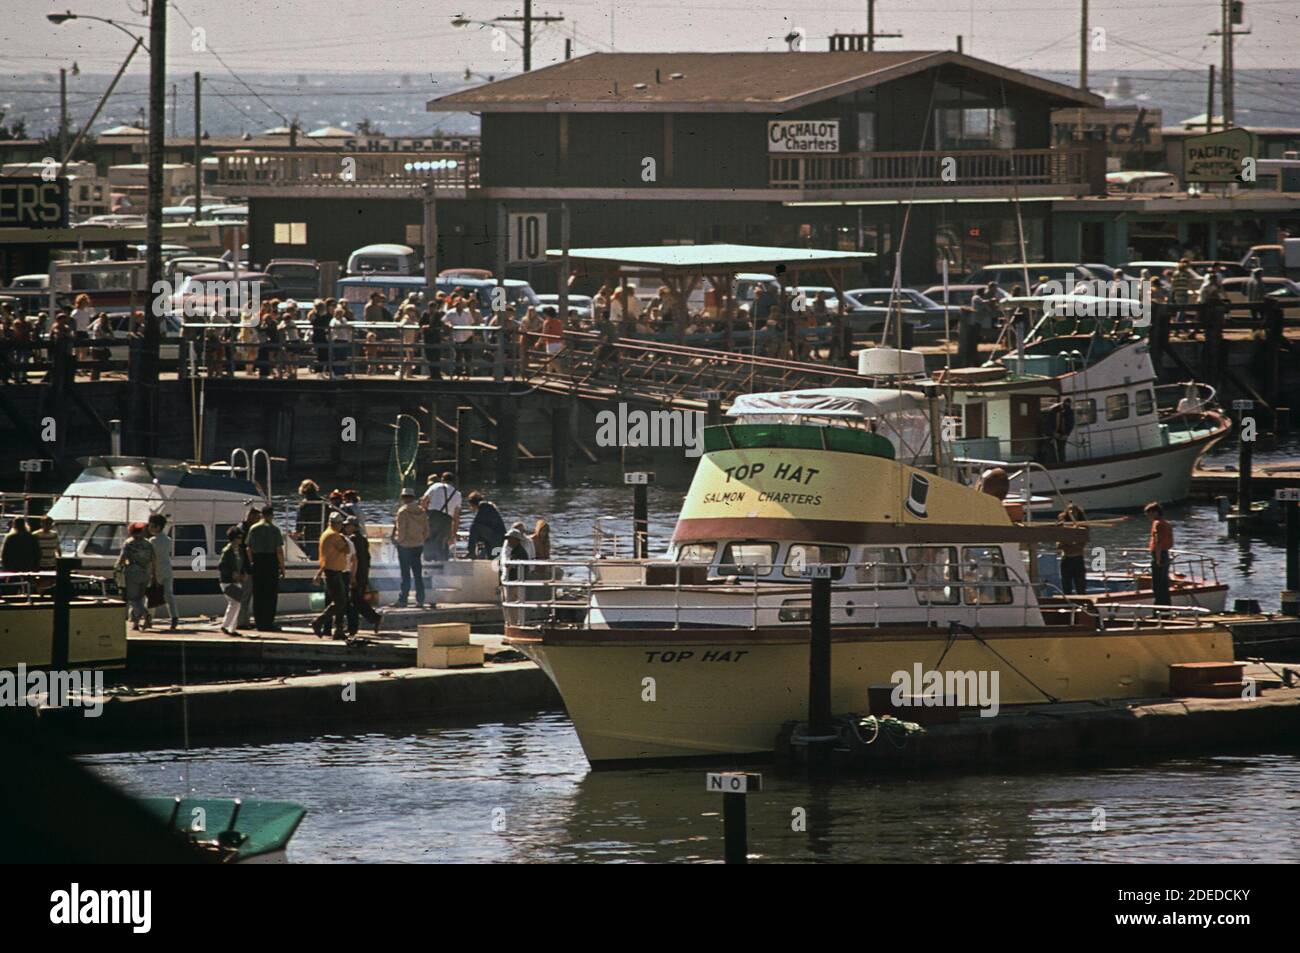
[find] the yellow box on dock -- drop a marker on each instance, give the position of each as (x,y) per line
(443,633)
(449,656)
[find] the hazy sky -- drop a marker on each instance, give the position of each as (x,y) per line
(411,36)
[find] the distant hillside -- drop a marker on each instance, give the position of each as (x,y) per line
(394,103)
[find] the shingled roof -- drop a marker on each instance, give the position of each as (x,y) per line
(720,82)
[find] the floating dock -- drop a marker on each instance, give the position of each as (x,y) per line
(1073,733)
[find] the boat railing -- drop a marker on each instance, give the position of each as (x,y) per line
(29,587)
(118,511)
(1194,565)
(569,591)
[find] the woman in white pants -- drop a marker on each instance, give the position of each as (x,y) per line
(232,578)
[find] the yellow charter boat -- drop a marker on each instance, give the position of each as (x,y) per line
(706,652)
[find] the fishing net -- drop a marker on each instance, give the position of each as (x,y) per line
(406,445)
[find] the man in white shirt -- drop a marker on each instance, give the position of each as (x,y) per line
(460,320)
(162,561)
(442,501)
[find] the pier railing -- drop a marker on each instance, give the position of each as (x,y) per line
(348,170)
(597,593)
(965,168)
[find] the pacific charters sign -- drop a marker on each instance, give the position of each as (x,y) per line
(1217,157)
(803,135)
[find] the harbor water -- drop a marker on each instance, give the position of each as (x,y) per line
(517,788)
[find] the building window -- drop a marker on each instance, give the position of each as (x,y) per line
(977,128)
(866,132)
(291,233)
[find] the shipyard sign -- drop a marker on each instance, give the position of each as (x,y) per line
(33,202)
(803,135)
(1124,130)
(1218,157)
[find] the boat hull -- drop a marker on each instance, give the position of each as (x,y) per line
(1120,483)
(96,634)
(635,695)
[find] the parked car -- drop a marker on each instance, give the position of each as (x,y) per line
(1227,269)
(213,293)
(577,303)
(929,313)
(1282,290)
(1279,260)
(960,295)
(178,269)
(29,281)
(357,289)
(1008,274)
(297,277)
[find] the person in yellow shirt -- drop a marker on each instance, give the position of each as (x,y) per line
(334,552)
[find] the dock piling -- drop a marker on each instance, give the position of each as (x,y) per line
(821,734)
(640,482)
(734,786)
(1244,454)
(1290,499)
(63,567)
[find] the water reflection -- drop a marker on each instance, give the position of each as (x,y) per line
(520,790)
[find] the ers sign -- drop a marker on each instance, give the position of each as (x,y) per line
(32,202)
(803,135)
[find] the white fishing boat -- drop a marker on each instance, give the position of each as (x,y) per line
(201,502)
(1132,441)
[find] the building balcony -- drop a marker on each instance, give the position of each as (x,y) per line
(319,173)
(1034,171)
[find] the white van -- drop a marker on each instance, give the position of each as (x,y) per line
(384,260)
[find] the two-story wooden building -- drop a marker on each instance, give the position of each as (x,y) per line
(825,150)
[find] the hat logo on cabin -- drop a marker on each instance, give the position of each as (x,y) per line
(916,496)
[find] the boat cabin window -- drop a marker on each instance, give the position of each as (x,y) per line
(1085,411)
(1117,407)
(882,567)
(106,539)
(70,536)
(747,559)
(985,575)
(219,532)
(188,537)
(697,552)
(935,574)
(801,555)
(1146,402)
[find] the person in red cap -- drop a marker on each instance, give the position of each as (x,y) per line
(139,572)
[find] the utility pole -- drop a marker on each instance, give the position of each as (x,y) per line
(63,113)
(1233,11)
(1209,102)
(871,28)
(198,146)
(144,419)
(528,20)
(1083,49)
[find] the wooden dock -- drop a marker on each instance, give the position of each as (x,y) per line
(1209,483)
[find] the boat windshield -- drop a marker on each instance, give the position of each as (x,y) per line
(747,559)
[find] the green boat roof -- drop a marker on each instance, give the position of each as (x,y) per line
(266,826)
